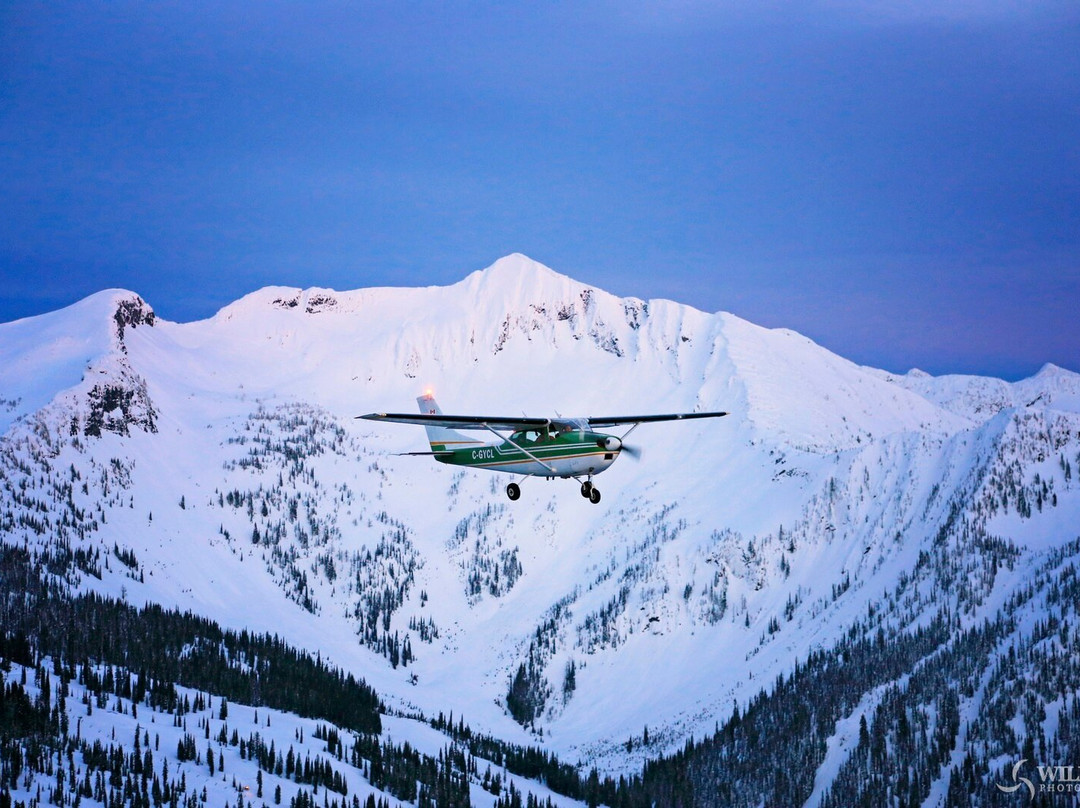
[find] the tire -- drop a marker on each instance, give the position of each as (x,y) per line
(586,489)
(513,491)
(594,496)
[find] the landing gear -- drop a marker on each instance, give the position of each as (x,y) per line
(513,490)
(590,492)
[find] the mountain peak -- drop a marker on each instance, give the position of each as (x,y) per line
(43,355)
(519,264)
(1052,371)
(1052,386)
(519,276)
(102,316)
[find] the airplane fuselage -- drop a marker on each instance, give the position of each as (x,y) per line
(568,454)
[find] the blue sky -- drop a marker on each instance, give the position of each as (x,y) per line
(898,181)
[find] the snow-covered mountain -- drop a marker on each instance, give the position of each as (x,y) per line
(218,466)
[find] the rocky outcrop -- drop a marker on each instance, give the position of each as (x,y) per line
(118,405)
(131,313)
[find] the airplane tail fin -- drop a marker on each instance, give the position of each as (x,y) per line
(441,438)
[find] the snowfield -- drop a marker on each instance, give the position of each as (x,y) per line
(218,466)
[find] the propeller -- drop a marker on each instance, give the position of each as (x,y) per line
(614,444)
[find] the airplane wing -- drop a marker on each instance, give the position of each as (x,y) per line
(460,421)
(612,420)
(522,422)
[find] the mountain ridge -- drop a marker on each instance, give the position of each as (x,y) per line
(238,479)
(515,289)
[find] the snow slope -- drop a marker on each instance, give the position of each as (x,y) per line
(228,460)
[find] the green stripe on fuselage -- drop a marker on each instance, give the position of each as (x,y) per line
(493,455)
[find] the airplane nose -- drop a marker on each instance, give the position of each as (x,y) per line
(611,443)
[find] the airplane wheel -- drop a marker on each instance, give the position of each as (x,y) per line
(586,489)
(513,491)
(594,496)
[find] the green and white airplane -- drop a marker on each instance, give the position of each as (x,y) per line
(536,447)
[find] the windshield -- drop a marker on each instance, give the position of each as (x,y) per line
(573,425)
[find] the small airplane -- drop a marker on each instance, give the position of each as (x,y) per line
(536,447)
